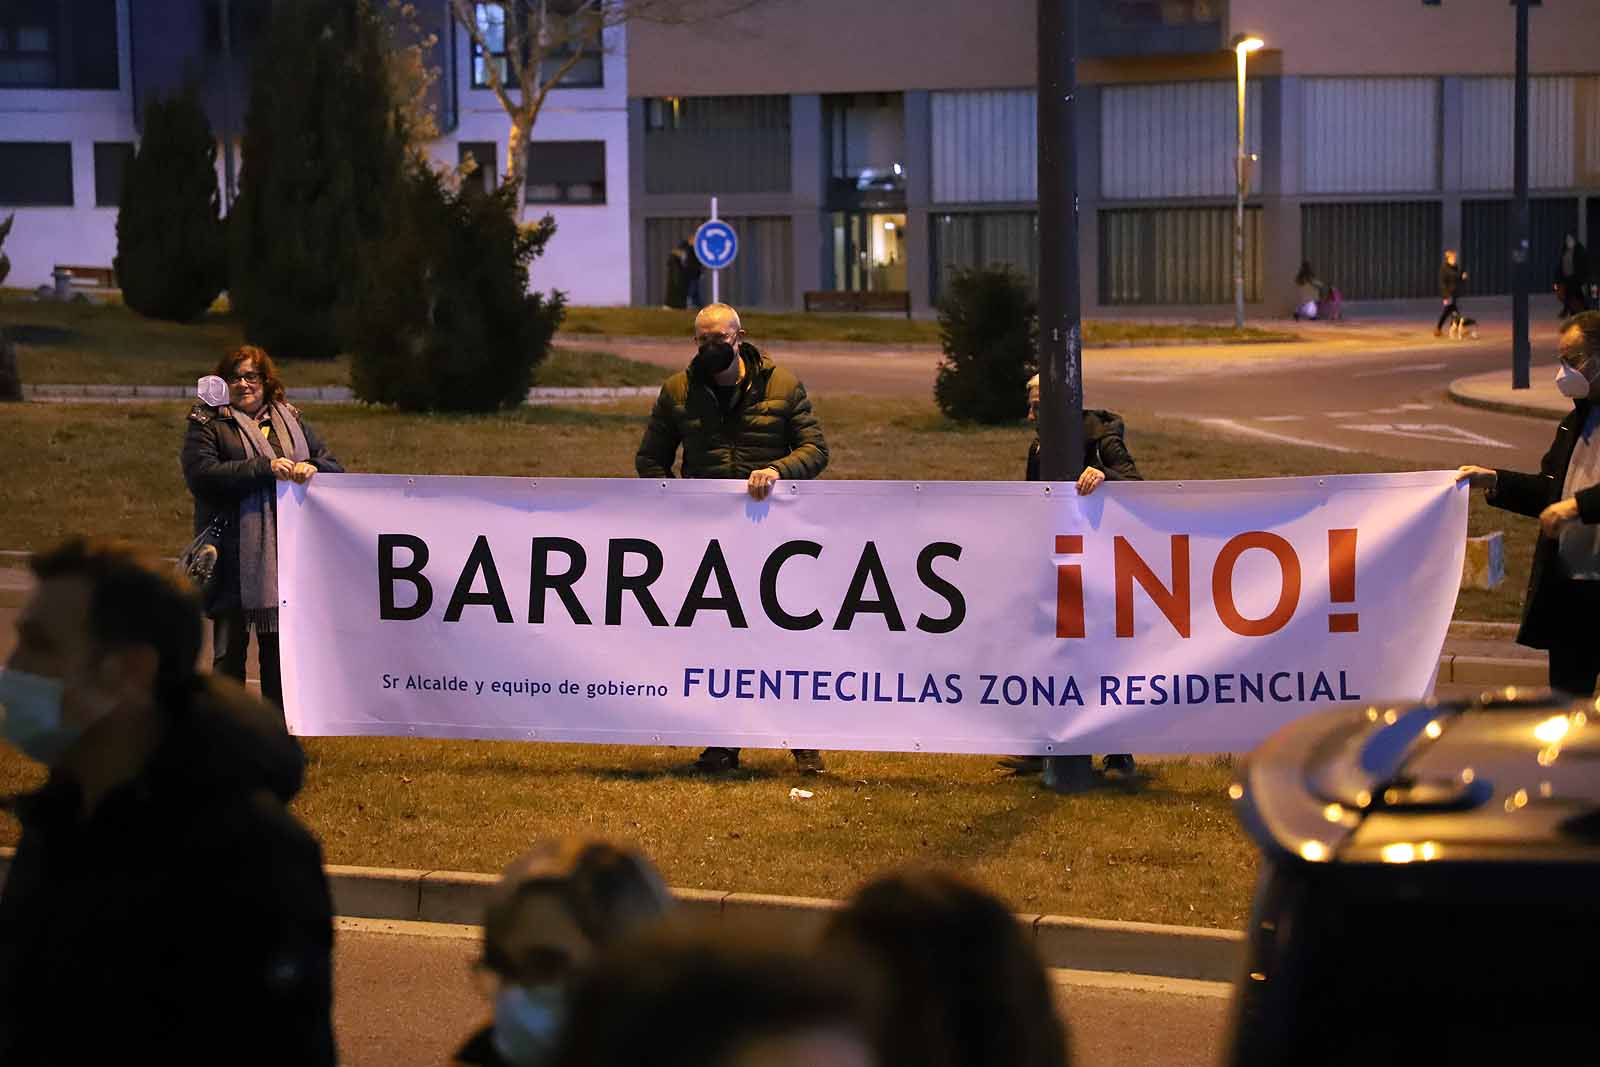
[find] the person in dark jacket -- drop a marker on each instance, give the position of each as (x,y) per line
(233,458)
(676,295)
(554,909)
(1105,458)
(1563,599)
(1572,277)
(692,273)
(1450,278)
(735,414)
(163,905)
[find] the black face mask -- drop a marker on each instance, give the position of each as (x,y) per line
(713,358)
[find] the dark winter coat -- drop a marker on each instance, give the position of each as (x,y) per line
(769,425)
(1547,612)
(221,474)
(187,920)
(1103,448)
(1450,275)
(1580,266)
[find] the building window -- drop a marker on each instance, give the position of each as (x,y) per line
(111,159)
(587,73)
(27,46)
(56,44)
(35,174)
(483,154)
(566,172)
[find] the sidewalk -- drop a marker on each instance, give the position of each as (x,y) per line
(1493,391)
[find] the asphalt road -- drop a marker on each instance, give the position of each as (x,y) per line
(408,997)
(1378,388)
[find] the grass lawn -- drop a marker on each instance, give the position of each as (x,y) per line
(875,329)
(112,468)
(89,344)
(1165,851)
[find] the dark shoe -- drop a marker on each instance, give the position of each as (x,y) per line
(718,759)
(1022,764)
(1122,764)
(808,761)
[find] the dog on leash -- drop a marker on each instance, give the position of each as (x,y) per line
(1462,327)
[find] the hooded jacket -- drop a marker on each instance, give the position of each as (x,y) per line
(186,919)
(770,424)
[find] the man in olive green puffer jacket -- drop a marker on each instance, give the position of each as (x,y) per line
(735,414)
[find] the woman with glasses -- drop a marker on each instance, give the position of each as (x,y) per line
(556,907)
(233,457)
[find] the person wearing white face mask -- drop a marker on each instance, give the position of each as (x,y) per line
(554,908)
(1563,599)
(163,905)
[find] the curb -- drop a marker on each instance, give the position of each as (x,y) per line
(1062,941)
(329,394)
(1459,394)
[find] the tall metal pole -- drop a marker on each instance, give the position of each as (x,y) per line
(1521,354)
(1060,313)
(716,275)
(228,186)
(1239,180)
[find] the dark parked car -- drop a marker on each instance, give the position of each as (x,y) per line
(1429,889)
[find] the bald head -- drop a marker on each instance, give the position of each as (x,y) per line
(717,319)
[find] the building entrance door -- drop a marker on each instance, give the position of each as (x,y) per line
(869,251)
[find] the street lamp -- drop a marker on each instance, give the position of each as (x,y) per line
(1242,47)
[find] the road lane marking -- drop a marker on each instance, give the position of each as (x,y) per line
(1430,431)
(1280,418)
(1233,426)
(407,928)
(1416,369)
(1141,983)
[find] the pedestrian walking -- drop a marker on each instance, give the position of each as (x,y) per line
(734,413)
(234,455)
(1105,458)
(1563,598)
(555,908)
(1572,277)
(676,295)
(693,272)
(164,905)
(1451,275)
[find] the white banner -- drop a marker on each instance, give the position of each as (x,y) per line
(1005,617)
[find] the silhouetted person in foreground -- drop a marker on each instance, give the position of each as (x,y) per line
(163,906)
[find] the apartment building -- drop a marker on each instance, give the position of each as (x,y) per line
(878,146)
(73,73)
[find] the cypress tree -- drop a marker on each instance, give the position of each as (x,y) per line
(441,318)
(324,144)
(171,254)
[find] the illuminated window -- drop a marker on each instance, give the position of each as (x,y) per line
(587,73)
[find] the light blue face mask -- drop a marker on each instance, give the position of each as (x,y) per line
(30,707)
(527,1021)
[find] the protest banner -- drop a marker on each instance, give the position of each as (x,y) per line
(936,616)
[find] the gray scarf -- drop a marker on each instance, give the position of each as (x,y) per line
(258,518)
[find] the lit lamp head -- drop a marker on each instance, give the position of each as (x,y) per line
(1244,44)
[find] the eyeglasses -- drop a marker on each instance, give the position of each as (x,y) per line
(249,377)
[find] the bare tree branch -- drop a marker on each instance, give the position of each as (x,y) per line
(467,16)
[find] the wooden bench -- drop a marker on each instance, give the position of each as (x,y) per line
(842,300)
(91,277)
